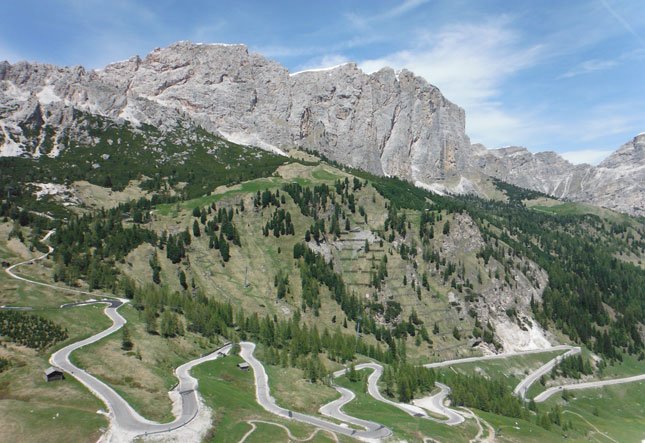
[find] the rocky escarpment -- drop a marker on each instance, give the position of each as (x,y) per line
(617,183)
(387,123)
(506,289)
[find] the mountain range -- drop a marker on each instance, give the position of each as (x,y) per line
(388,122)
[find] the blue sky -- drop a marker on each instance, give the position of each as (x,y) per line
(567,76)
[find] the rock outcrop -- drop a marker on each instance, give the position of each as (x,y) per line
(388,122)
(617,183)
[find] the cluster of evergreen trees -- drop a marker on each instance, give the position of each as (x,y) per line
(572,367)
(279,224)
(577,251)
(30,330)
(222,222)
(489,395)
(312,366)
(267,198)
(88,246)
(291,338)
(406,381)
(378,273)
(553,417)
(426,226)
(310,201)
(176,245)
(314,270)
(281,282)
(316,231)
(398,222)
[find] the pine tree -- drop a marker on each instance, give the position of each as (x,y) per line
(196,231)
(224,249)
(150,320)
(169,325)
(126,339)
(156,269)
(446,228)
(182,279)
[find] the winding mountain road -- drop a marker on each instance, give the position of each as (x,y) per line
(523,386)
(444,363)
(591,384)
(373,431)
(123,417)
(435,403)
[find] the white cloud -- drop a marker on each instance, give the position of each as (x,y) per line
(588,67)
(470,63)
(608,120)
(362,21)
(589,156)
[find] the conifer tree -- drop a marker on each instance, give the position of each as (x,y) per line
(126,339)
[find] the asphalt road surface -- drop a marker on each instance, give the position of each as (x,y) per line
(437,400)
(495,356)
(524,385)
(125,418)
(373,431)
(534,376)
(122,415)
(592,384)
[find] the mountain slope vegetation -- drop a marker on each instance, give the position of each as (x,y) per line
(323,264)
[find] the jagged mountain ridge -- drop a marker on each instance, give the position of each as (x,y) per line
(617,183)
(386,122)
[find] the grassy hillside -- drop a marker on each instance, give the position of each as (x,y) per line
(318,263)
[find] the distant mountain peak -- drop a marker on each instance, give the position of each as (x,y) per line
(386,122)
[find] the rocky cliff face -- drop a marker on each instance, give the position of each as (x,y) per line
(617,183)
(386,122)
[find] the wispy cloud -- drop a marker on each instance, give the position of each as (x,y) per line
(588,67)
(589,156)
(361,21)
(605,127)
(624,23)
(470,63)
(595,65)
